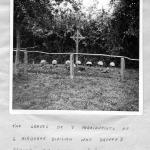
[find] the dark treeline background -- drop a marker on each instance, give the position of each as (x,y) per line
(49,24)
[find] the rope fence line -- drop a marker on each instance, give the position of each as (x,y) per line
(87,54)
(105,55)
(22,50)
(26,48)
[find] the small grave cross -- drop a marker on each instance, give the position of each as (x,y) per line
(77,37)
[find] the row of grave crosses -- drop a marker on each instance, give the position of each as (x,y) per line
(77,37)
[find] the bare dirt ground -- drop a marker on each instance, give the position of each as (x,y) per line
(48,88)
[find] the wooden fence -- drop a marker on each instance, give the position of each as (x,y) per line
(122,60)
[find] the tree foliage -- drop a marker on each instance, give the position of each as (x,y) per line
(126,24)
(49,24)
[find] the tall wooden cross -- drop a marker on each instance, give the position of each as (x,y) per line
(77,37)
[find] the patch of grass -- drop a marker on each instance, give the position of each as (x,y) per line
(89,90)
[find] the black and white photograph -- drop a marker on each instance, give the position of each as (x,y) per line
(76,55)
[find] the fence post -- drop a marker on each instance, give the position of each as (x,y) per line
(71,66)
(122,68)
(25,61)
(17,57)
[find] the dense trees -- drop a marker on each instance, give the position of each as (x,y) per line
(48,25)
(126,24)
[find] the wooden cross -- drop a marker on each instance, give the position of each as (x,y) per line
(77,37)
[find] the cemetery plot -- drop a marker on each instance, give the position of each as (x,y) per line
(92,83)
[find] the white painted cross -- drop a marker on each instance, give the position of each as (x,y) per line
(77,37)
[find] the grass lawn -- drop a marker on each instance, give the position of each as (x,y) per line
(51,89)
